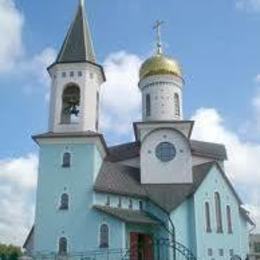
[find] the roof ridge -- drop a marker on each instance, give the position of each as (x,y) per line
(207,142)
(123,144)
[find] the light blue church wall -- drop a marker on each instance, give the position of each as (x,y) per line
(183,220)
(236,241)
(80,224)
(165,229)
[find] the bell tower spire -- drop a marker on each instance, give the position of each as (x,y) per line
(76,80)
(78,45)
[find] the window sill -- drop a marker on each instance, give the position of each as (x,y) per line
(65,166)
(63,209)
(104,247)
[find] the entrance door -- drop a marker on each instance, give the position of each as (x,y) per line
(141,246)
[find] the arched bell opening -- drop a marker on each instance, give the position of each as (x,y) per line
(70,105)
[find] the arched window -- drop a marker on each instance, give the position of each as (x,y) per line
(148,104)
(63,246)
(66,160)
(218,213)
(177,104)
(70,104)
(104,236)
(207,216)
(64,202)
(229,220)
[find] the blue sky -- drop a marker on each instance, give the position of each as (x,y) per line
(216,42)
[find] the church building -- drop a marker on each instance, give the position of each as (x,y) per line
(161,196)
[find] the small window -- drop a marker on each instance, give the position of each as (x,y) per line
(148,105)
(141,205)
(64,74)
(120,202)
(66,161)
(72,74)
(229,220)
(231,252)
(108,201)
(257,247)
(221,252)
(207,216)
(218,213)
(64,202)
(80,73)
(63,246)
(104,236)
(130,204)
(210,252)
(177,104)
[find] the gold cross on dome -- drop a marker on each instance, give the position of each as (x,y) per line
(157,28)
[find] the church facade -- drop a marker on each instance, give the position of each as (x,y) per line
(161,196)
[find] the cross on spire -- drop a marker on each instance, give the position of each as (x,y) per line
(157,28)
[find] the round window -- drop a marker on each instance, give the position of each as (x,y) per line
(165,152)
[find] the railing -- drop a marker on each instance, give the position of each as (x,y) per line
(162,249)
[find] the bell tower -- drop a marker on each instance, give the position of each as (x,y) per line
(76,81)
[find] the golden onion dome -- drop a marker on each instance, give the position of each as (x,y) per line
(160,64)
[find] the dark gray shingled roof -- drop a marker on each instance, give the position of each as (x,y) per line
(129,216)
(131,150)
(124,151)
(119,179)
(77,46)
(217,151)
(125,180)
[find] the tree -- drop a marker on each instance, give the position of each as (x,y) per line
(9,252)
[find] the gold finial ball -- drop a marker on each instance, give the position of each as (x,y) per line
(160,64)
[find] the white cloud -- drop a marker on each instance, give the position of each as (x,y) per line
(38,65)
(11,25)
(248,5)
(34,70)
(17,192)
(121,98)
(13,51)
